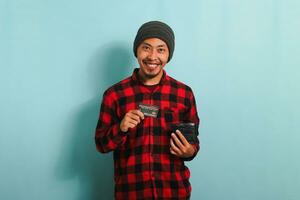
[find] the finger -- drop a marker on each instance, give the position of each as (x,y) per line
(132,124)
(134,117)
(132,114)
(174,147)
(177,141)
(130,121)
(173,152)
(182,138)
(138,113)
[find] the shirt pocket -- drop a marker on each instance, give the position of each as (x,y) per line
(173,115)
(170,116)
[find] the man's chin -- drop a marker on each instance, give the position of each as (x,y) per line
(151,75)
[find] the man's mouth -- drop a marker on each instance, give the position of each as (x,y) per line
(152,65)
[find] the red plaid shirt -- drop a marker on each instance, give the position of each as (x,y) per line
(144,166)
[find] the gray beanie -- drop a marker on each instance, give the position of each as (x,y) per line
(155,29)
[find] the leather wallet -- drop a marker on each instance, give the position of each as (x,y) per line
(188,130)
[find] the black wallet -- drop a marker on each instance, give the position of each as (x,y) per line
(188,130)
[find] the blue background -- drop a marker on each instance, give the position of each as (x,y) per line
(240,57)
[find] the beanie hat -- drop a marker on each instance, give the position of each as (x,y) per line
(155,29)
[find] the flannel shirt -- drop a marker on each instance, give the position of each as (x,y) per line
(144,168)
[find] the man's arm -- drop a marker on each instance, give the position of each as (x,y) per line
(179,145)
(108,135)
(110,131)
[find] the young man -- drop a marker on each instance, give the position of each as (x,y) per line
(136,122)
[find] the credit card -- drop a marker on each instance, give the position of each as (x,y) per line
(149,110)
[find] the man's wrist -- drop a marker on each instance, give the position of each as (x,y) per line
(122,130)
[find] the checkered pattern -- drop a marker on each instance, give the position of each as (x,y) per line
(144,167)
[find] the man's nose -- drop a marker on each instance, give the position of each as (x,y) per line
(152,55)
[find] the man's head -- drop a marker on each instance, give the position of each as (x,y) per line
(153,47)
(155,29)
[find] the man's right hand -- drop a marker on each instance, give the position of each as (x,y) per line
(131,119)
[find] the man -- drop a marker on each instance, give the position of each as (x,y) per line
(136,119)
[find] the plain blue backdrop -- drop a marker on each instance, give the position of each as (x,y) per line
(240,57)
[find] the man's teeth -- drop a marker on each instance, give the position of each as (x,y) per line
(152,65)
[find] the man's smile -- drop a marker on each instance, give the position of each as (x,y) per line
(151,64)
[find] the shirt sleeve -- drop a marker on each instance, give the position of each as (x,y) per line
(193,117)
(108,135)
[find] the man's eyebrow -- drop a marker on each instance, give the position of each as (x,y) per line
(161,45)
(145,43)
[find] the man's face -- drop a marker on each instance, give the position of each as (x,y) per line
(152,56)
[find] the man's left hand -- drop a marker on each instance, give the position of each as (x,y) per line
(180,146)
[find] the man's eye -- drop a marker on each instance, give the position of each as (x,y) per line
(161,50)
(146,48)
